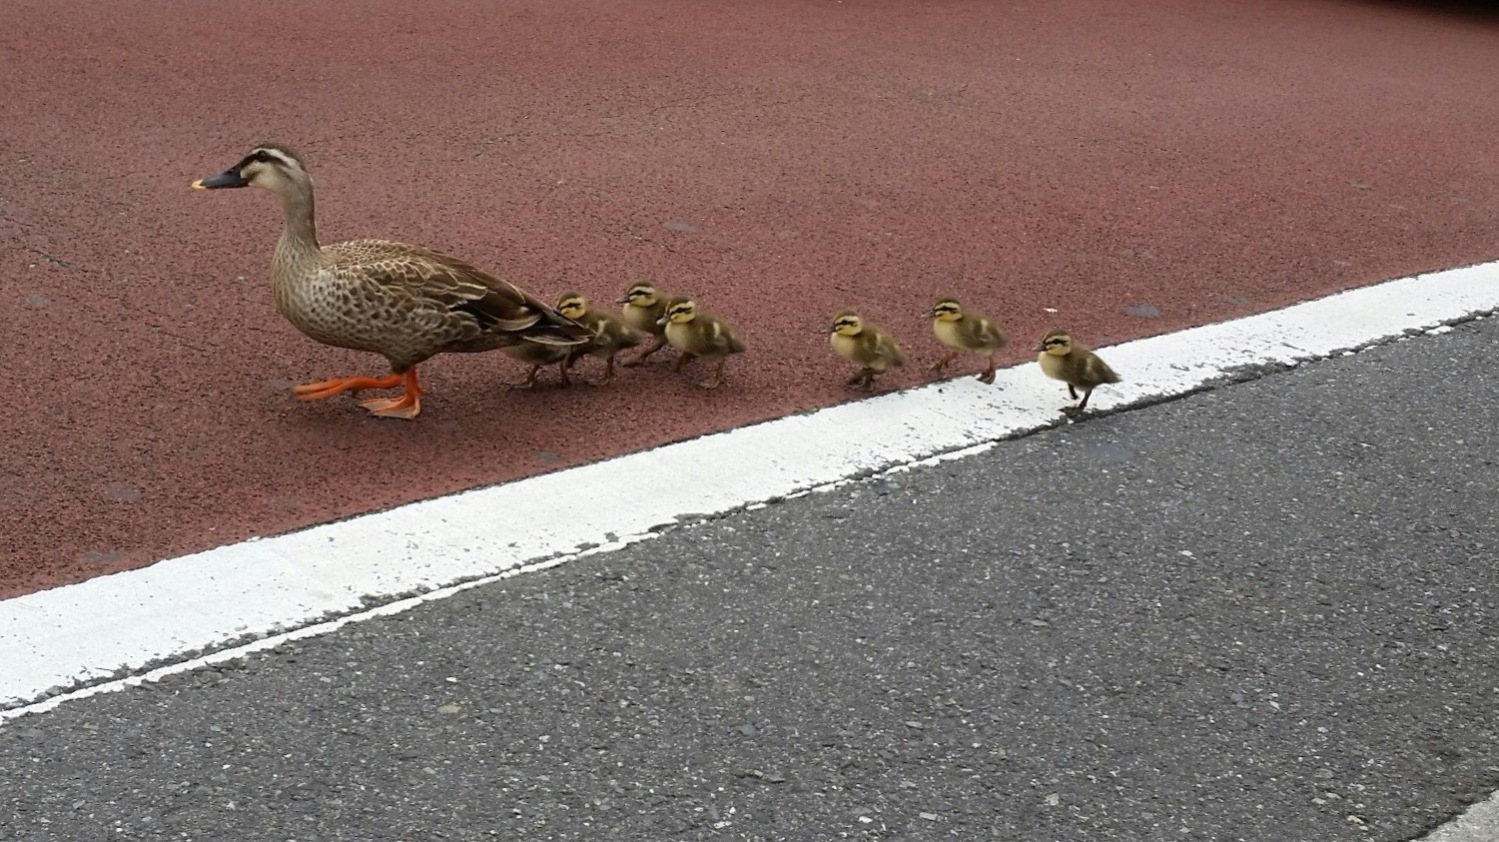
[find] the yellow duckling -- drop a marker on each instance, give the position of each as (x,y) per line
(537,356)
(1065,360)
(965,332)
(610,335)
(857,341)
(644,307)
(698,334)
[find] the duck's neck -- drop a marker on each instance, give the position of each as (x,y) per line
(298,245)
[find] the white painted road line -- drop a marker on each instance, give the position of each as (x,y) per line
(102,634)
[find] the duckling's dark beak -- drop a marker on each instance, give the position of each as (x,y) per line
(623,299)
(1040,348)
(663,320)
(225,179)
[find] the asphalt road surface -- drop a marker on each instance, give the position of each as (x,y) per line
(1265,612)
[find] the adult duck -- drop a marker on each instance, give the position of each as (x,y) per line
(404,302)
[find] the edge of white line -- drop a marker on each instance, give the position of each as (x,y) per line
(111,632)
(1479,823)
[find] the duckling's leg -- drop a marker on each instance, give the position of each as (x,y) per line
(608,370)
(640,358)
(407,406)
(1077,410)
(863,381)
(562,369)
(529,381)
(942,363)
(717,378)
(988,375)
(1071,391)
(682,359)
(337,386)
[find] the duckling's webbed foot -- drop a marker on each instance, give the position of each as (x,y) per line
(717,378)
(942,363)
(863,382)
(988,374)
(608,372)
(1078,410)
(530,380)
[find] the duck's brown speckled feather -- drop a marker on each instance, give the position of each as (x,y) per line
(409,303)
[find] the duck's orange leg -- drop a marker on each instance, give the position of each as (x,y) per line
(407,406)
(329,388)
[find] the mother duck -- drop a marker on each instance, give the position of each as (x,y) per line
(404,302)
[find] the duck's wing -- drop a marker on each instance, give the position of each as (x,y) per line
(886,345)
(1098,371)
(386,267)
(983,333)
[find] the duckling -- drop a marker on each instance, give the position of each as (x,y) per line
(1065,360)
(866,344)
(537,356)
(610,335)
(698,334)
(965,331)
(644,307)
(404,302)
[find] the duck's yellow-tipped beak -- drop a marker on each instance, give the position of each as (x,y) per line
(226,179)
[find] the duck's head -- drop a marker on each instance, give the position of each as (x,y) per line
(847,323)
(269,166)
(679,311)
(1056,343)
(572,305)
(946,310)
(642,294)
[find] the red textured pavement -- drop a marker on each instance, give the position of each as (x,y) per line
(1138,167)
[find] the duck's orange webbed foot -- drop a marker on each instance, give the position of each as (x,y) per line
(328,388)
(407,406)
